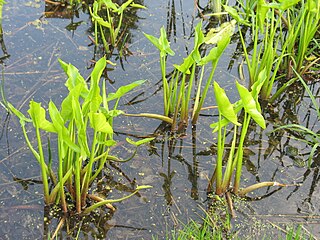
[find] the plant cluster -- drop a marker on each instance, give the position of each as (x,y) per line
(287,30)
(83,124)
(84,129)
(107,17)
(177,93)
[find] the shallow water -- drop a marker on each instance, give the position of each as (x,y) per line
(177,169)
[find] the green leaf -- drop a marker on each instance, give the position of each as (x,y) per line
(38,116)
(98,70)
(185,66)
(136,5)
(284,4)
(140,142)
(94,98)
(153,40)
(250,105)
(81,126)
(96,17)
(164,43)
(23,118)
(256,87)
(124,89)
(233,13)
(262,11)
(108,143)
(216,52)
(99,123)
(110,4)
(123,6)
(212,55)
(66,105)
(224,105)
(198,40)
(74,78)
(215,35)
(198,36)
(62,131)
(112,113)
(63,65)
(313,6)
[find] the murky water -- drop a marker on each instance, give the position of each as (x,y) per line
(177,169)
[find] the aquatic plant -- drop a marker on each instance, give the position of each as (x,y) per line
(228,114)
(302,23)
(84,130)
(109,15)
(177,92)
(263,25)
(289,26)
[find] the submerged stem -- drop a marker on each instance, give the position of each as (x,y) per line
(256,186)
(108,201)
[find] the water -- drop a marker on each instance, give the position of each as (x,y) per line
(177,169)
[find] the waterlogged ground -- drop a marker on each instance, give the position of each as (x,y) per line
(178,167)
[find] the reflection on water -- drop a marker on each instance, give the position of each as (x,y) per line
(177,166)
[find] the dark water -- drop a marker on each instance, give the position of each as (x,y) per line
(177,168)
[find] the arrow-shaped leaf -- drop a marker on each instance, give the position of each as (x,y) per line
(224,105)
(250,105)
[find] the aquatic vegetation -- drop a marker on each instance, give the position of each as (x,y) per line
(281,34)
(74,142)
(107,15)
(228,114)
(265,57)
(177,92)
(84,131)
(302,23)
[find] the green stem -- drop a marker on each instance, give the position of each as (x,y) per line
(164,85)
(60,175)
(178,103)
(219,159)
(44,168)
(101,165)
(56,189)
(111,27)
(105,43)
(77,181)
(231,158)
(244,129)
(88,173)
(190,89)
(195,112)
(118,28)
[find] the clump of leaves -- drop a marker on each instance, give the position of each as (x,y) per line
(84,129)
(177,92)
(228,114)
